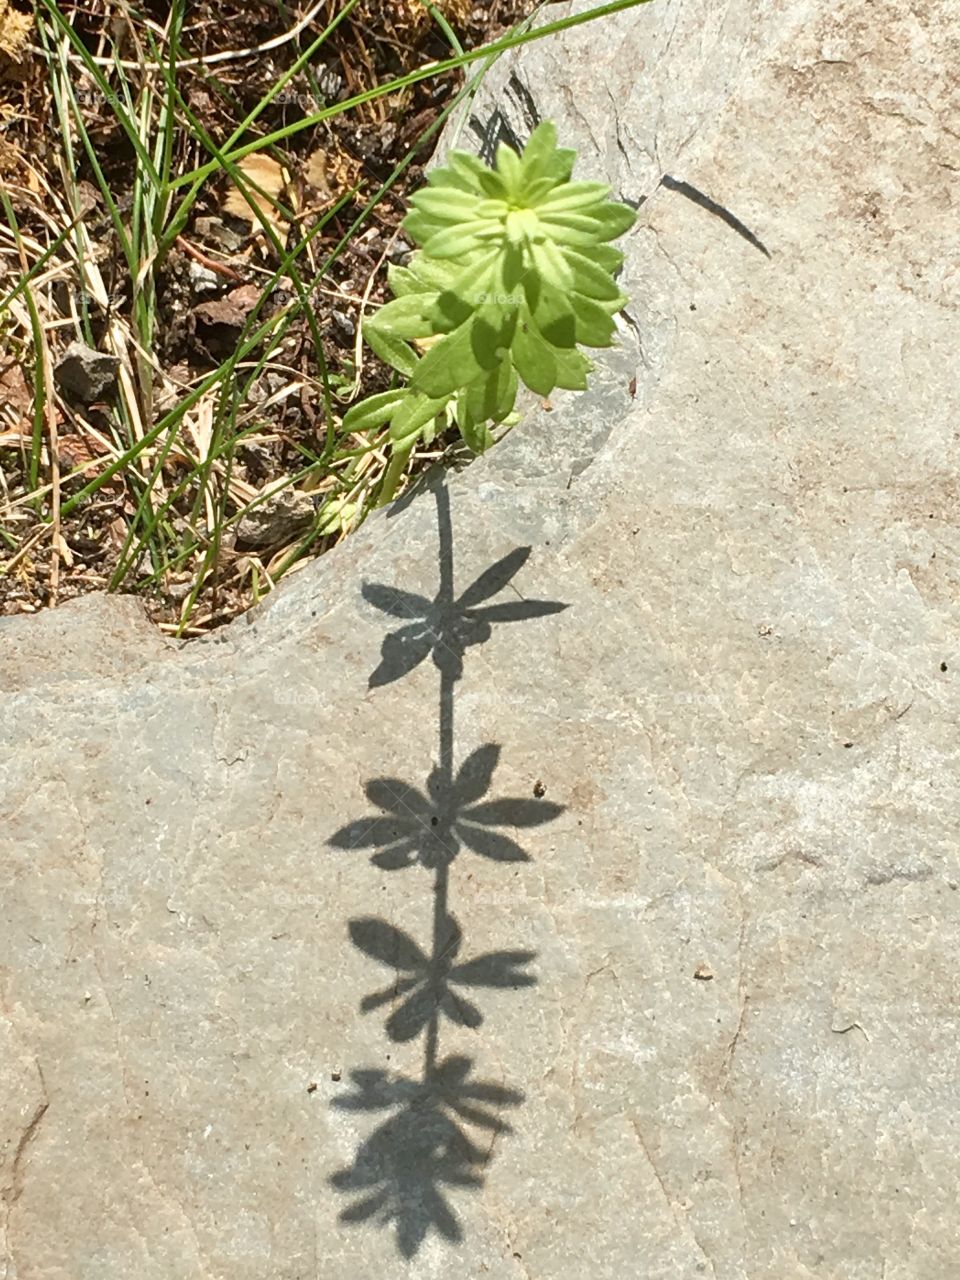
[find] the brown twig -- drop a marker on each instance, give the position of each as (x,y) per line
(210,263)
(25,550)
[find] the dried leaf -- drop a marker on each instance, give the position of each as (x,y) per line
(231,310)
(315,172)
(265,173)
(79,451)
(66,555)
(15,396)
(14,34)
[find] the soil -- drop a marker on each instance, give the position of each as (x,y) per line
(214,274)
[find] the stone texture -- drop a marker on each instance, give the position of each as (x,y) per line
(280,516)
(747,710)
(86,373)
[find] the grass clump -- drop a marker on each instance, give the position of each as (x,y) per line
(211,199)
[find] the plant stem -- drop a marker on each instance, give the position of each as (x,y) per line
(391,477)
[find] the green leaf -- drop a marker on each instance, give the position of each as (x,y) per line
(373,412)
(414,413)
(418,226)
(406,317)
(472,282)
(491,397)
(572,370)
(589,278)
(464,238)
(434,274)
(495,326)
(446,204)
(540,151)
(572,196)
(603,255)
(467,291)
(511,170)
(422,276)
(402,281)
(533,358)
(491,209)
(449,311)
(511,267)
(391,349)
(561,166)
(551,264)
(503,391)
(476,435)
(594,325)
(450,364)
(451,178)
(532,193)
(605,223)
(474,348)
(465,165)
(552,311)
(492,184)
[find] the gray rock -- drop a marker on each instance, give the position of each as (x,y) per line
(88,374)
(280,516)
(214,229)
(222,1026)
(202,279)
(343,326)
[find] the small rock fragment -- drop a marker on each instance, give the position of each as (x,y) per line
(277,518)
(344,326)
(202,278)
(87,374)
(213,229)
(231,310)
(400,251)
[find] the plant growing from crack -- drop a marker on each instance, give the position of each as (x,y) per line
(514,274)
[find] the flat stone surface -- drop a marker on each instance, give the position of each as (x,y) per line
(733,752)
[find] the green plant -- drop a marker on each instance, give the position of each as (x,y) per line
(105,267)
(513,275)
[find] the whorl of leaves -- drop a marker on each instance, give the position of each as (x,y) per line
(513,275)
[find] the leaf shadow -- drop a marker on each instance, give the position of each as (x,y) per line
(444,628)
(427,985)
(401,1172)
(440,1130)
(431,826)
(517,102)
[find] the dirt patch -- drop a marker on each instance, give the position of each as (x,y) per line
(256,288)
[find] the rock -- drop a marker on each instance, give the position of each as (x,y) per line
(708,616)
(87,374)
(202,279)
(399,251)
(343,326)
(281,516)
(225,237)
(97,639)
(229,312)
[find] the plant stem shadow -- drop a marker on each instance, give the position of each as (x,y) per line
(440,1129)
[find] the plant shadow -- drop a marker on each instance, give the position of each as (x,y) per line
(440,1129)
